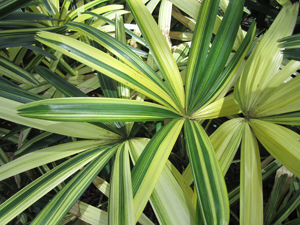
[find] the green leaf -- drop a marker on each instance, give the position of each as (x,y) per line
(59,83)
(200,46)
(41,186)
(40,141)
(27,16)
(16,73)
(85,7)
(204,69)
(120,29)
(104,187)
(150,164)
(107,65)
(83,130)
(122,51)
(59,206)
(44,156)
(288,209)
(120,205)
(8,6)
(41,51)
(282,100)
(171,197)
(208,178)
(160,50)
(17,93)
(96,110)
(283,183)
(23,34)
(3,157)
(225,80)
(48,6)
(113,23)
(108,86)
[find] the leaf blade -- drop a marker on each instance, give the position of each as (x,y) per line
(159,49)
(208,178)
(96,110)
(150,164)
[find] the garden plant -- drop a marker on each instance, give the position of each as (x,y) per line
(92,94)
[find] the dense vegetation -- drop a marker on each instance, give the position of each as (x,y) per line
(150,112)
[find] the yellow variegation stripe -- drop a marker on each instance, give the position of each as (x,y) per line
(159,48)
(150,164)
(251,202)
(226,140)
(257,75)
(222,107)
(281,142)
(82,130)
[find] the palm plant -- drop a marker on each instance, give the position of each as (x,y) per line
(266,97)
(204,83)
(107,123)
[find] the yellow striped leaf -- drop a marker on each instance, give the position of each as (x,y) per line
(91,109)
(159,49)
(171,197)
(208,178)
(150,164)
(82,130)
(105,64)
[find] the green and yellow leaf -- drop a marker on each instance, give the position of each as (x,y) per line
(150,164)
(83,130)
(96,110)
(208,178)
